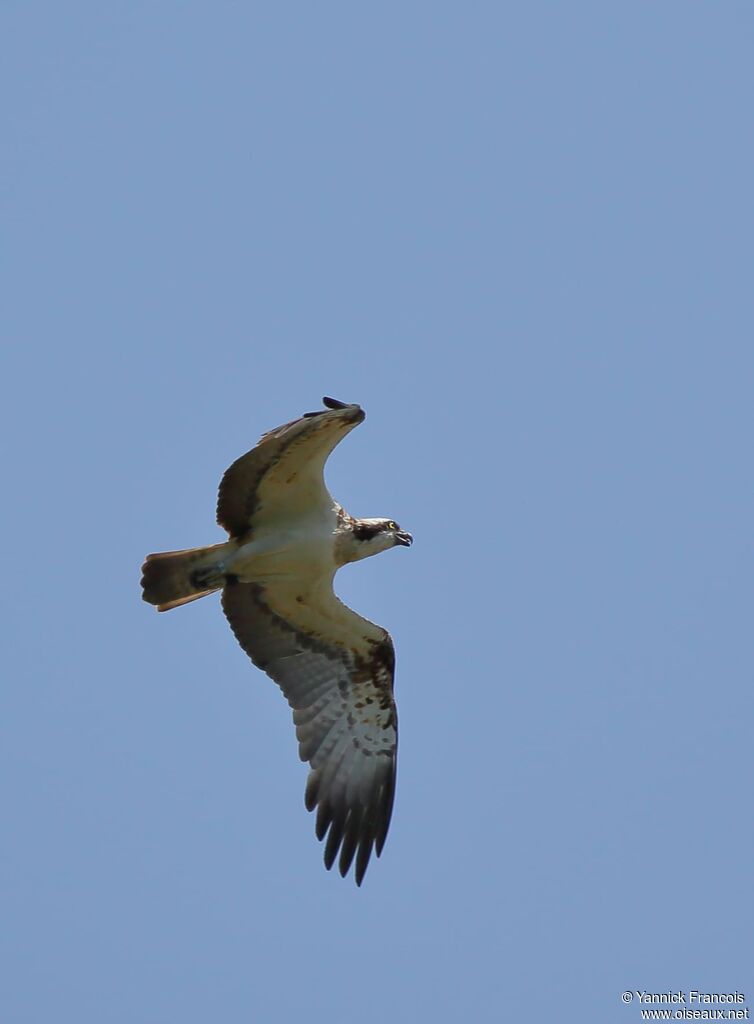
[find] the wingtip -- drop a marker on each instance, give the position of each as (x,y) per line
(336,405)
(355,411)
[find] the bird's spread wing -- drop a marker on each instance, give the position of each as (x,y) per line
(336,669)
(284,473)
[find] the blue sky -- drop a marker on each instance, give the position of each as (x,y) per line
(520,237)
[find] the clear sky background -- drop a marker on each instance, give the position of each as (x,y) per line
(520,235)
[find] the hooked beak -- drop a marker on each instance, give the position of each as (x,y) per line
(404,538)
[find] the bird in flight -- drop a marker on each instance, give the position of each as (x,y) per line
(287,539)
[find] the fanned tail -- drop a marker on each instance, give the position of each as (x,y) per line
(172,578)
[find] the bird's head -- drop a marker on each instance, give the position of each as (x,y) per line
(370,536)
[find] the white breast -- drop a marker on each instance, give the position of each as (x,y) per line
(305,549)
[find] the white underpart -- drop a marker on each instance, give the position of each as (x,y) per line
(304,549)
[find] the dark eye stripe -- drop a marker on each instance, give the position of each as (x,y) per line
(365,532)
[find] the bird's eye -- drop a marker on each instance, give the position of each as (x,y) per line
(392,525)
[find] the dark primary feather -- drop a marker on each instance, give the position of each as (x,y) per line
(329,403)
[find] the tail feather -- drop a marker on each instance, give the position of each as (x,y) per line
(172,578)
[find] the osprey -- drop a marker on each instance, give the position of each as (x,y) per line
(288,538)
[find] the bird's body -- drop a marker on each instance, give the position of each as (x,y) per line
(288,538)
